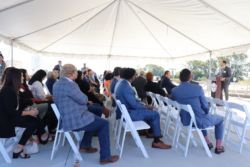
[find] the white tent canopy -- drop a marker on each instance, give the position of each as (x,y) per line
(169,29)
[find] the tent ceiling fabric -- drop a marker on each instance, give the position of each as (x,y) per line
(127,28)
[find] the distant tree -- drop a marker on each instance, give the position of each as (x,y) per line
(155,69)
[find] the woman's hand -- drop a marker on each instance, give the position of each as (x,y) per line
(33,112)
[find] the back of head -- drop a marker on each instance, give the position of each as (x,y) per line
(67,70)
(13,79)
(109,76)
(142,73)
(129,73)
(117,71)
(38,76)
(185,75)
(121,72)
(49,74)
(166,72)
(79,76)
(149,76)
(5,73)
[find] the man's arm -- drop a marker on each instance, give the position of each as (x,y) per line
(203,101)
(171,84)
(131,100)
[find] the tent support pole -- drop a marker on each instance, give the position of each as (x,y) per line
(149,30)
(210,64)
(169,26)
(111,46)
(14,6)
(12,61)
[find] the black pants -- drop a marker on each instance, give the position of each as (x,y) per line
(31,124)
(49,119)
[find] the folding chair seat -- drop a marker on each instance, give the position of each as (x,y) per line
(238,124)
(74,147)
(191,128)
(129,126)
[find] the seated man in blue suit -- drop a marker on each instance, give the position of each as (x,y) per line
(139,111)
(191,94)
(112,89)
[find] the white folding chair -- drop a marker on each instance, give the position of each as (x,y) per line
(131,127)
(154,102)
(74,147)
(136,94)
(165,90)
(106,96)
(244,124)
(223,111)
(115,123)
(192,127)
(12,142)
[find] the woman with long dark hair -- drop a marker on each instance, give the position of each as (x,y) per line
(37,92)
(11,116)
(87,90)
(36,86)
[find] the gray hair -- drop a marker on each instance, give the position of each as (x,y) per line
(142,73)
(49,74)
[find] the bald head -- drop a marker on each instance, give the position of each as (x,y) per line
(68,70)
(142,73)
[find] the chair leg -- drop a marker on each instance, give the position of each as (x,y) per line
(178,135)
(63,142)
(204,143)
(139,142)
(72,144)
(116,126)
(168,126)
(187,142)
(54,145)
(242,139)
(229,130)
(119,134)
(122,144)
(5,154)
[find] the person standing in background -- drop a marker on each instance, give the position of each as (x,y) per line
(225,75)
(59,66)
(84,67)
(2,65)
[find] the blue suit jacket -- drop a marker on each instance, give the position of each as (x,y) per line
(112,89)
(127,97)
(49,83)
(191,94)
(166,83)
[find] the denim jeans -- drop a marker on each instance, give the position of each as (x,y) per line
(102,127)
(218,123)
(152,117)
(95,109)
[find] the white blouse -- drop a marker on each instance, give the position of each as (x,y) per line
(37,90)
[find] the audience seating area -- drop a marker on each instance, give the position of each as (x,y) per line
(172,129)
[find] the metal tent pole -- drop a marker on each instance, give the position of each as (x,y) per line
(12,53)
(210,64)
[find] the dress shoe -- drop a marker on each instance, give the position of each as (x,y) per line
(210,146)
(142,132)
(160,145)
(111,159)
(151,135)
(219,150)
(88,149)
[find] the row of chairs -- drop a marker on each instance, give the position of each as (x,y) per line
(170,117)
